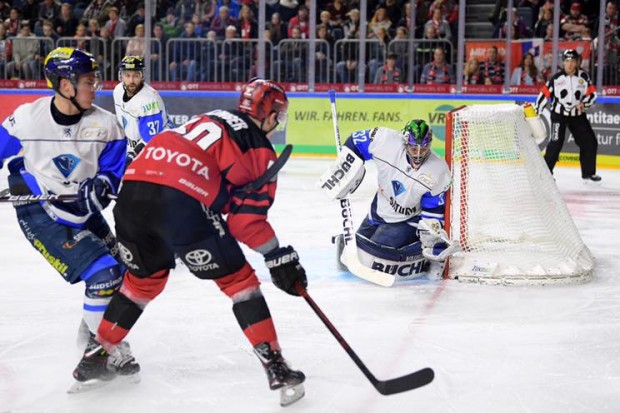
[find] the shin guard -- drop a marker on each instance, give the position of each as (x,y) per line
(249,306)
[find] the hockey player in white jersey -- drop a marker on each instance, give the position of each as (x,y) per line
(139,108)
(64,144)
(412,183)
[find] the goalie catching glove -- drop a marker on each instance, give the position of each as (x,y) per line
(285,269)
(436,245)
(344,176)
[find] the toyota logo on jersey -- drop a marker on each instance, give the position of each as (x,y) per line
(126,256)
(179,158)
(198,257)
(200,260)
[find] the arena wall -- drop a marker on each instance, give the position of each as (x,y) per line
(310,129)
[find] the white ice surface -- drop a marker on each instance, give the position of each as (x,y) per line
(493,349)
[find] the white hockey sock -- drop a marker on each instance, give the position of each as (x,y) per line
(93,311)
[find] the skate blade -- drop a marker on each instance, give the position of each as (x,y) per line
(289,395)
(85,386)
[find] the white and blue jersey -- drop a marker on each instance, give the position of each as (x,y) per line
(404,194)
(57,158)
(142,116)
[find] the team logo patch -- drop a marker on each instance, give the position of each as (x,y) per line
(66,163)
(200,260)
(398,187)
(198,257)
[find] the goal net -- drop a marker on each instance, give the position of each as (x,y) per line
(504,207)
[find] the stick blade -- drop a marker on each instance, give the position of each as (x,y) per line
(405,383)
(350,260)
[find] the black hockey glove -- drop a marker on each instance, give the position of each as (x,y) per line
(285,269)
(94,194)
(133,152)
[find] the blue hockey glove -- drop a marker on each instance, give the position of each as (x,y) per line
(94,193)
(285,269)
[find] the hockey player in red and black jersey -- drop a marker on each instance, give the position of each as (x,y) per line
(173,201)
(569,93)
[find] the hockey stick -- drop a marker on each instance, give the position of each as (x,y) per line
(349,255)
(5,196)
(272,171)
(269,173)
(386,387)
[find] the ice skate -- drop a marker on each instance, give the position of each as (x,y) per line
(98,367)
(280,375)
(592,180)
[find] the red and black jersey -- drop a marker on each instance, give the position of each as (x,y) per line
(208,158)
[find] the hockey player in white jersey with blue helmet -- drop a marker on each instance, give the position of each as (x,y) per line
(139,108)
(402,233)
(64,144)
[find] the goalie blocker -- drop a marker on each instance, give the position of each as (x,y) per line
(344,177)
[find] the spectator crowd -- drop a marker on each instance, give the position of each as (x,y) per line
(217,40)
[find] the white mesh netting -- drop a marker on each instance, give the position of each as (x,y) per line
(505,210)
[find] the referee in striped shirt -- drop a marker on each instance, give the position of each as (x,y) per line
(568,93)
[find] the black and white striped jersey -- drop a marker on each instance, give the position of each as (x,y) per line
(564,93)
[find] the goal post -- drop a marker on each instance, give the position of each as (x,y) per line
(504,207)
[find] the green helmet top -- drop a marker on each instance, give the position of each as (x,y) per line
(417,137)
(417,132)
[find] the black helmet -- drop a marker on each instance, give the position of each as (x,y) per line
(570,54)
(135,63)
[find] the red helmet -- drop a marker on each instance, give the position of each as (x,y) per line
(260,97)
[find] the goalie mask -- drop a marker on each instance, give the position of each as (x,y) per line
(417,137)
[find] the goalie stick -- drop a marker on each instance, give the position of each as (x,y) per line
(5,195)
(349,255)
(385,387)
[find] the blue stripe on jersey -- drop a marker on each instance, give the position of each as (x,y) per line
(150,126)
(433,206)
(433,202)
(112,161)
(359,142)
(9,144)
(101,263)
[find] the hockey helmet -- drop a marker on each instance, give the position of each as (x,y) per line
(134,63)
(69,63)
(260,98)
(417,137)
(570,54)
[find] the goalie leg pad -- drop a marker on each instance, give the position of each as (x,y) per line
(344,176)
(402,270)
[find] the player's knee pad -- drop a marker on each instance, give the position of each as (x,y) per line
(212,257)
(142,290)
(104,282)
(239,284)
(129,254)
